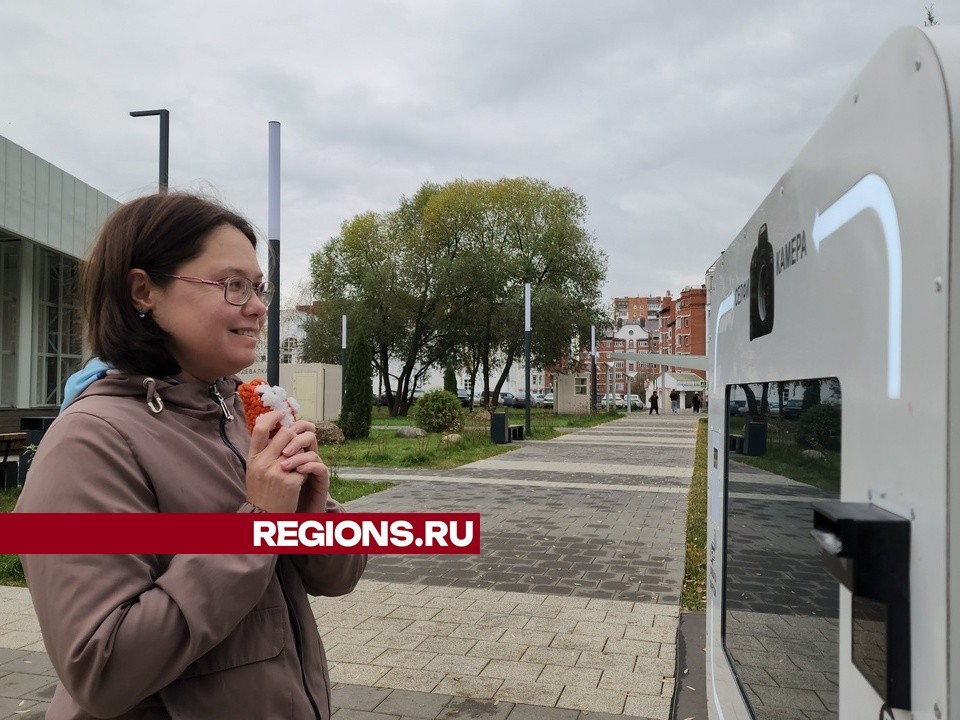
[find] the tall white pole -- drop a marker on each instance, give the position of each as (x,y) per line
(343,359)
(527,331)
(273,263)
(593,368)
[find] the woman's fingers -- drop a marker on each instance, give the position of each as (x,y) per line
(262,426)
(305,439)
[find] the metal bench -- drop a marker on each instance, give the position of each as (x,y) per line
(8,442)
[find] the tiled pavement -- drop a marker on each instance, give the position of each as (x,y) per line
(569,612)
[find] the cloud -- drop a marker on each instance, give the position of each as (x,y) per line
(673,121)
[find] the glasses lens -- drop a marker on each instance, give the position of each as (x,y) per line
(265,291)
(236,290)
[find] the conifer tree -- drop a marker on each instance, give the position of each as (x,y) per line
(357,406)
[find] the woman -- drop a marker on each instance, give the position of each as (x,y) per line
(174,300)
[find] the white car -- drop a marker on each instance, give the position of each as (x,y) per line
(634,401)
(615,399)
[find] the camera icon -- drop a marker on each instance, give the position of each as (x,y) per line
(761,287)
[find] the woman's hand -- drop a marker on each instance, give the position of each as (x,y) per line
(273,485)
(301,455)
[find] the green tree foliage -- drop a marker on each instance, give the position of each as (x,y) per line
(450,379)
(355,416)
(439,281)
(438,411)
(819,427)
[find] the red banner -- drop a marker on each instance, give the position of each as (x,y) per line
(230,533)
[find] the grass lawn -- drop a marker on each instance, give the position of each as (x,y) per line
(784,457)
(384,449)
(694,593)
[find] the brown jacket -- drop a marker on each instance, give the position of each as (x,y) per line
(171,636)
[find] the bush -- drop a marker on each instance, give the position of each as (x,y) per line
(438,411)
(819,427)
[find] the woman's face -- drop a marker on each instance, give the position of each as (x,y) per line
(210,337)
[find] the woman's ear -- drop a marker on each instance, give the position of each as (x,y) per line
(142,290)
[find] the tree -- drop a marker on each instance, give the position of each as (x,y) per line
(439,281)
(931,19)
(355,417)
(450,379)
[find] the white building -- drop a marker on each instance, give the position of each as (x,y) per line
(48,219)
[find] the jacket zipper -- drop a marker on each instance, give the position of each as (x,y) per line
(295,623)
(297,641)
(224,416)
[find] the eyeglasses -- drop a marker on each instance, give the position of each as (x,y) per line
(236,290)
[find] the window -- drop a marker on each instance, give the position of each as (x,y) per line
(288,350)
(580,386)
(9,320)
(58,326)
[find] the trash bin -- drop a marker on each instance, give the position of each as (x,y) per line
(754,438)
(35,427)
(499,428)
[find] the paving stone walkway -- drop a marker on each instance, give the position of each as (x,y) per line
(570,611)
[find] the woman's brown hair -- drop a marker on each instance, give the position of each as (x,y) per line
(157,234)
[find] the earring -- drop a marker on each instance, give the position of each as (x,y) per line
(142,314)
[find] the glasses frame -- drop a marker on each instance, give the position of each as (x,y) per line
(265,287)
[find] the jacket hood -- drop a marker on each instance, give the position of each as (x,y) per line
(195,398)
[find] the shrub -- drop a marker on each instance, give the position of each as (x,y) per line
(438,411)
(819,427)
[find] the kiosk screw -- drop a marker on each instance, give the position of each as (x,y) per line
(916,63)
(936,711)
(938,284)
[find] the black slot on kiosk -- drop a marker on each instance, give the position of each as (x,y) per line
(867,549)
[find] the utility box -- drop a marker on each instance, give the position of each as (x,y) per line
(833,563)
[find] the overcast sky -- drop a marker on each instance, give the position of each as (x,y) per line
(674,120)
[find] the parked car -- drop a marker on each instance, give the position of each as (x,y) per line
(736,406)
(464,397)
(520,400)
(506,399)
(537,400)
(616,399)
(792,409)
(634,401)
(548,400)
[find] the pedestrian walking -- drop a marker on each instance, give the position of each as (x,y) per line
(674,400)
(696,402)
(654,403)
(174,301)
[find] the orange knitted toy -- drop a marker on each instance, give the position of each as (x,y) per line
(258,398)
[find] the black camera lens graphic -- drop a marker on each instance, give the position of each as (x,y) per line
(761,287)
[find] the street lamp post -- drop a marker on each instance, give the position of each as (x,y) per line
(164,143)
(527,332)
(630,375)
(593,369)
(343,360)
(610,364)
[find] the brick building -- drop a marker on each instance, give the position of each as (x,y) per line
(683,325)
